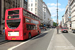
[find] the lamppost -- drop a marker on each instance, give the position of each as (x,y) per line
(57,18)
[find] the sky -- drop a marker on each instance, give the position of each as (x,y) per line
(52,6)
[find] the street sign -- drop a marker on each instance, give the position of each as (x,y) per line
(44,25)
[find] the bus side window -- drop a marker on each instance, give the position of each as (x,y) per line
(28,27)
(25,13)
(36,27)
(29,14)
(33,27)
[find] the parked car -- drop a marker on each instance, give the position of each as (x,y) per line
(41,27)
(64,29)
(53,27)
(73,30)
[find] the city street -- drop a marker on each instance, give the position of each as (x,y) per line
(47,40)
(37,25)
(39,42)
(71,37)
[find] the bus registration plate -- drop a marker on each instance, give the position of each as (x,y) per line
(13,38)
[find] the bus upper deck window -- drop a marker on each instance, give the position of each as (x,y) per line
(13,12)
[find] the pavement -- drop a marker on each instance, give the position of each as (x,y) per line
(59,42)
(2,37)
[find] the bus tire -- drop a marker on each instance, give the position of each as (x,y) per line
(29,36)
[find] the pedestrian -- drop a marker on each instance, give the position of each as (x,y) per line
(45,28)
(3,31)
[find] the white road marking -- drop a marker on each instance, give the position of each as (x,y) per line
(68,41)
(71,33)
(25,41)
(18,45)
(51,41)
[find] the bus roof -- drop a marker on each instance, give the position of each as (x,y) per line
(22,8)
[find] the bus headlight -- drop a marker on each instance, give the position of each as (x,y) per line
(5,27)
(13,33)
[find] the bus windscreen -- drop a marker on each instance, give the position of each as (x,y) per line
(13,24)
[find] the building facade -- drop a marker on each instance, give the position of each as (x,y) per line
(0,14)
(51,22)
(23,3)
(35,6)
(66,15)
(70,14)
(63,20)
(66,18)
(72,4)
(46,15)
(7,4)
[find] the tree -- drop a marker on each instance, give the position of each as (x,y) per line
(54,24)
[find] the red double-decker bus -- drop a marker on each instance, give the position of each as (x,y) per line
(20,24)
